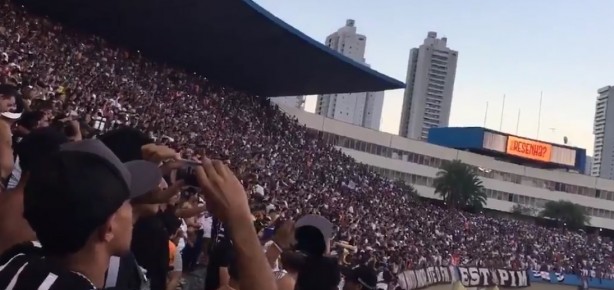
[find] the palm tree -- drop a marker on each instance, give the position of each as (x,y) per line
(459,186)
(566,213)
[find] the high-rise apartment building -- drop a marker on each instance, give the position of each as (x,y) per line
(363,109)
(430,83)
(603,129)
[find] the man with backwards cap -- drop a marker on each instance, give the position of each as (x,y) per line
(319,272)
(77,203)
(14,229)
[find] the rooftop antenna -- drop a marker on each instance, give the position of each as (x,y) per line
(539,113)
(485,114)
(518,121)
(502,109)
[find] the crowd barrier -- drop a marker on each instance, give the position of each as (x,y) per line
(503,278)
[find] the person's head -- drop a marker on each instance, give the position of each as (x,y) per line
(47,108)
(8,96)
(30,121)
(360,278)
(310,241)
(292,261)
(11,103)
(36,146)
(313,234)
(77,200)
(126,144)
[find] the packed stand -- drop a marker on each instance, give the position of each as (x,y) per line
(82,84)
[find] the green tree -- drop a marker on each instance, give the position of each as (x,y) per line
(519,209)
(459,186)
(566,213)
(406,188)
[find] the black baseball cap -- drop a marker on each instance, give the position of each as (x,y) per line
(313,233)
(38,145)
(75,190)
(362,275)
(126,143)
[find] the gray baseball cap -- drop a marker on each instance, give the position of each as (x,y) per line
(319,222)
(75,190)
(140,176)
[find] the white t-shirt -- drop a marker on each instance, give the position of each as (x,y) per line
(259,189)
(15,175)
(207,226)
(181,243)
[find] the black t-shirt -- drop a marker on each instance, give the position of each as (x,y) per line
(23,268)
(170,219)
(150,248)
(220,255)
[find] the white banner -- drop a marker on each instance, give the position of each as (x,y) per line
(416,279)
(484,277)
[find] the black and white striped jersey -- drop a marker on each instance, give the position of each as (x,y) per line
(125,274)
(24,268)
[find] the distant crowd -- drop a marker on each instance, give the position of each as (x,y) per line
(88,87)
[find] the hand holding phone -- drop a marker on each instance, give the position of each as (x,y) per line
(187,172)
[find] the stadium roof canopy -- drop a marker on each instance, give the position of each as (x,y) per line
(235,42)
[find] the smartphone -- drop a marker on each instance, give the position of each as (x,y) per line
(186,172)
(190,163)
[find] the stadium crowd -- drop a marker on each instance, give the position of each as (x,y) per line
(95,87)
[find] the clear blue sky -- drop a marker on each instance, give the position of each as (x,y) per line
(564,48)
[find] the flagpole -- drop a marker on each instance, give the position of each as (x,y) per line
(485,114)
(502,110)
(518,121)
(539,114)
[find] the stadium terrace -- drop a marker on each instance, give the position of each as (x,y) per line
(260,181)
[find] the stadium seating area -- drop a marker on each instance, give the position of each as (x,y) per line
(106,87)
